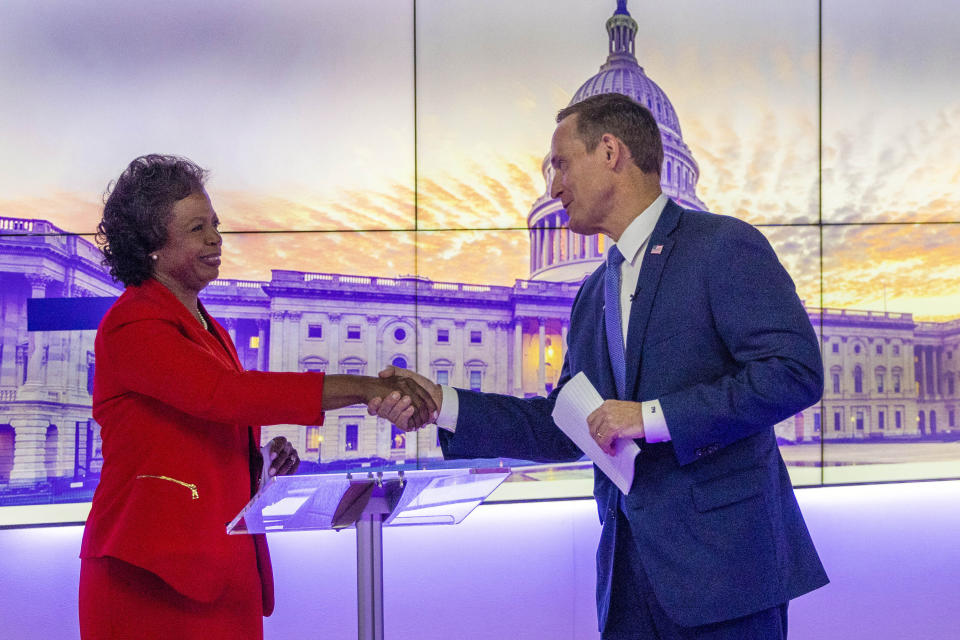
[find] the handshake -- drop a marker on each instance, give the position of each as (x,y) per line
(405,398)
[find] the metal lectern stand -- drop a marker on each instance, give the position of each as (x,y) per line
(368,502)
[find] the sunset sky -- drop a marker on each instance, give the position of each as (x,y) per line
(306,115)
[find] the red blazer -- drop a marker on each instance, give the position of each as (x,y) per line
(175,409)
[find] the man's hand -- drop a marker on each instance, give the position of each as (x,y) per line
(397,408)
(282,458)
(615,419)
(401,399)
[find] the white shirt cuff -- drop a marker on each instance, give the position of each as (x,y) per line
(654,424)
(449,409)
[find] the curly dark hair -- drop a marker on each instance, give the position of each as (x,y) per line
(137,208)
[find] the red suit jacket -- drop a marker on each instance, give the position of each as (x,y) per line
(175,409)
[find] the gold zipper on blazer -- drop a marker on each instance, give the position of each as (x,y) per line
(195,495)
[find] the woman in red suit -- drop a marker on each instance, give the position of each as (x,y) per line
(180,421)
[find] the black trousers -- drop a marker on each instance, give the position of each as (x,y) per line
(635,613)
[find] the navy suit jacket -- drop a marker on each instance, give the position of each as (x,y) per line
(719,336)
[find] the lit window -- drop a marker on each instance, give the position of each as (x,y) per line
(398,439)
(313,438)
(254,342)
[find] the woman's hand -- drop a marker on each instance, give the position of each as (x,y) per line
(283,458)
(413,406)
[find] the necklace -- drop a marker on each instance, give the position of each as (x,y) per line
(203,321)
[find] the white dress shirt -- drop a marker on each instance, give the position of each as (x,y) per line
(632,244)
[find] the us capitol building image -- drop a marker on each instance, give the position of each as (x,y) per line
(888,377)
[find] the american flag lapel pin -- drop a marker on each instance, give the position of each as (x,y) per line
(657,250)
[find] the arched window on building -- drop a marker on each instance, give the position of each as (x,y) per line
(880,375)
(475,370)
(314,363)
(836,373)
(897,375)
(857,379)
(51,450)
(353,366)
(442,368)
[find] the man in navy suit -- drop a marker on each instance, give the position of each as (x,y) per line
(694,334)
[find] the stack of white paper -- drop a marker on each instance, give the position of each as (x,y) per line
(577,400)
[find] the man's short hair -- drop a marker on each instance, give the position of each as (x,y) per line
(623,117)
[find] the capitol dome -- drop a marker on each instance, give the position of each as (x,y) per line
(558,254)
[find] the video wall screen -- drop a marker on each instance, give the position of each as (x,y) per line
(379,169)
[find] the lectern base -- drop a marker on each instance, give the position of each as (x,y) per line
(370,577)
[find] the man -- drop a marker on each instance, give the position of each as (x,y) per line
(695,334)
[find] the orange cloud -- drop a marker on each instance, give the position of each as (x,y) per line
(72,212)
(477,257)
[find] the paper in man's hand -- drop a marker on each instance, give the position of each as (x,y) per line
(577,400)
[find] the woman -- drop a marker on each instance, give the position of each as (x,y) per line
(180,425)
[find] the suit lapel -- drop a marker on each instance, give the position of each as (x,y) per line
(225,346)
(657,252)
(218,345)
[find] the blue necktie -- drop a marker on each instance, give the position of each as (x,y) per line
(611,300)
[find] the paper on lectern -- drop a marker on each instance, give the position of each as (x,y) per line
(577,400)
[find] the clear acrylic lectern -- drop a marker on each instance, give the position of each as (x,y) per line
(367,501)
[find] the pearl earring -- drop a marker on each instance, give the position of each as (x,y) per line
(153,256)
